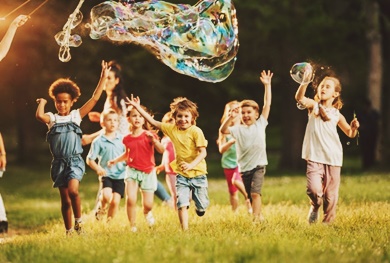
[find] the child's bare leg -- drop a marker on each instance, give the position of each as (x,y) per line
(183,217)
(256,205)
(66,208)
(114,205)
(234,201)
(73,190)
(147,201)
(131,191)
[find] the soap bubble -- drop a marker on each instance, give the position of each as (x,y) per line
(298,70)
(200,41)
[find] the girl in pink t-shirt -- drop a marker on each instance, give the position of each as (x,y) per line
(140,170)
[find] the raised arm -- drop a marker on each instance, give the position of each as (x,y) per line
(40,113)
(224,128)
(88,106)
(265,78)
(6,42)
(300,94)
(136,103)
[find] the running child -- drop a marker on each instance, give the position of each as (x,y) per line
(64,138)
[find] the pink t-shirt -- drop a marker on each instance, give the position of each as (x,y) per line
(140,152)
(168,155)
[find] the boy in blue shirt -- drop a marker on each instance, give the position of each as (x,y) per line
(105,147)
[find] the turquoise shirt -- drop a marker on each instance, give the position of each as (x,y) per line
(105,149)
(229,157)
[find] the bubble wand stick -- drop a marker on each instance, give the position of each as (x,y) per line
(32,12)
(357,135)
(18,7)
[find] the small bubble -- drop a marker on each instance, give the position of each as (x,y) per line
(348,143)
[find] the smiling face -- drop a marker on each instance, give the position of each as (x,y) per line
(183,119)
(249,115)
(63,103)
(111,81)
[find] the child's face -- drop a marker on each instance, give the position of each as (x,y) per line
(183,119)
(111,81)
(326,90)
(111,122)
(249,115)
(63,103)
(135,119)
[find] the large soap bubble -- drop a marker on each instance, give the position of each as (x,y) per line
(298,70)
(200,41)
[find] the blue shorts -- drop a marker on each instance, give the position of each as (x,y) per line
(146,181)
(117,185)
(64,169)
(198,185)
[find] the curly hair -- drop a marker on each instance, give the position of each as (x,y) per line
(63,85)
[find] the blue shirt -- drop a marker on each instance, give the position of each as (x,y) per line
(105,149)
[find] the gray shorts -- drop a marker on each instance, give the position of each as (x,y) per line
(253,179)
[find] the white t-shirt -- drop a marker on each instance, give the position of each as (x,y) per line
(74,116)
(250,144)
(321,143)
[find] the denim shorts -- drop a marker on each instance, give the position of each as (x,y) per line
(146,181)
(65,169)
(198,185)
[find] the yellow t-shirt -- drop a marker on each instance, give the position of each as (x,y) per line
(186,143)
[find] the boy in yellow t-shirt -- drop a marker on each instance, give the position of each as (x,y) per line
(190,147)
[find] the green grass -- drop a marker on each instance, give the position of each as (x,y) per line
(360,233)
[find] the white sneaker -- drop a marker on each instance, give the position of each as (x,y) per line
(150,219)
(313,216)
(133,229)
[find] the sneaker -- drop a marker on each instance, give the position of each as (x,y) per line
(313,215)
(200,213)
(150,219)
(258,219)
(78,227)
(69,232)
(100,213)
(133,229)
(249,206)
(4,227)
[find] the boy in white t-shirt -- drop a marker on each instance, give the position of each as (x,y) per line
(250,143)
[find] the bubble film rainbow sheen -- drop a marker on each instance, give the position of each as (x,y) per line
(200,41)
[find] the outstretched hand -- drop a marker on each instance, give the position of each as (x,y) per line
(20,20)
(105,70)
(265,77)
(133,101)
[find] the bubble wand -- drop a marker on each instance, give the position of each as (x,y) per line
(357,135)
(32,12)
(17,8)
(63,37)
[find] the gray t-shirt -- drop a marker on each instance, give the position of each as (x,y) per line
(250,144)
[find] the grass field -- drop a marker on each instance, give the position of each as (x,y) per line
(360,234)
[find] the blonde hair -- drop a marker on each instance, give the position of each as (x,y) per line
(228,106)
(250,103)
(105,113)
(337,102)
